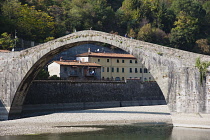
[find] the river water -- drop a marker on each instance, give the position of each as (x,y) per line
(125,132)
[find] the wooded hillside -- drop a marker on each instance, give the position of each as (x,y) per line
(182,24)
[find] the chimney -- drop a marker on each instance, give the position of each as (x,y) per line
(61,58)
(89,50)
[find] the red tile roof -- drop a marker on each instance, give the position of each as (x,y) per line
(110,55)
(4,51)
(77,63)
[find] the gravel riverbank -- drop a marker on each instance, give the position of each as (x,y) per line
(72,121)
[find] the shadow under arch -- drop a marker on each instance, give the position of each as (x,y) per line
(3,112)
(160,66)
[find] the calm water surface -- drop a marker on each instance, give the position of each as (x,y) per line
(131,132)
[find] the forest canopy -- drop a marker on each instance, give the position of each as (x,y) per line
(182,24)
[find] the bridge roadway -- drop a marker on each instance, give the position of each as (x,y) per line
(173,69)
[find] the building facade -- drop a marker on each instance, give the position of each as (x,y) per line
(75,70)
(117,66)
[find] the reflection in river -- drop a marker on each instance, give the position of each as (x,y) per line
(124,132)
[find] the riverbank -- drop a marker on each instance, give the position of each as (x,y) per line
(84,120)
(191,120)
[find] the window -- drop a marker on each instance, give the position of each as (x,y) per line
(107,69)
(123,61)
(112,69)
(123,78)
(98,60)
(102,69)
(131,61)
(136,70)
(107,60)
(145,70)
(123,70)
(140,70)
(117,69)
(150,79)
(65,69)
(145,79)
(117,78)
(130,70)
(118,61)
(136,61)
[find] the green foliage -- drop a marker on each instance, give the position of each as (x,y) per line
(202,46)
(154,35)
(7,42)
(42,75)
(202,67)
(146,33)
(54,77)
(206,6)
(157,21)
(132,33)
(30,23)
(84,14)
(191,7)
(49,39)
(184,34)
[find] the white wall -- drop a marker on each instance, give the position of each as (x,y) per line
(54,69)
(83,59)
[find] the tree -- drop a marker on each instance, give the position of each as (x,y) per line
(42,75)
(7,42)
(183,36)
(31,24)
(205,24)
(115,4)
(202,46)
(191,7)
(152,34)
(131,8)
(84,14)
(146,33)
(132,33)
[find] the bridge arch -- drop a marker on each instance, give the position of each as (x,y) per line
(173,69)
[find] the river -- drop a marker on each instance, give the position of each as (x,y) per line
(124,132)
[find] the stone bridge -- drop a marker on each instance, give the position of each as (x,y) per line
(173,69)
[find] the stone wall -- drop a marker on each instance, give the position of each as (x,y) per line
(45,92)
(93,94)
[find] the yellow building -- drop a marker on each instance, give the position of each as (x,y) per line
(117,66)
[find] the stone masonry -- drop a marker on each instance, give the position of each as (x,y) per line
(173,69)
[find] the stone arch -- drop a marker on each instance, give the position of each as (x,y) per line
(171,68)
